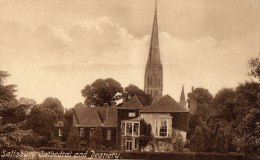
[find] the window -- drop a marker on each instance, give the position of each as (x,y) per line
(136,129)
(108,134)
(123,128)
(91,132)
(131,114)
(163,126)
(136,143)
(81,132)
(163,129)
(129,144)
(130,128)
(60,132)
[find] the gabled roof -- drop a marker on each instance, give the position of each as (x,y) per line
(164,105)
(96,116)
(133,103)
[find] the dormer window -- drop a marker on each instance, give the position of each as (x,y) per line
(131,113)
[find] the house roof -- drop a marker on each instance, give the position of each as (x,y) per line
(96,116)
(163,105)
(133,103)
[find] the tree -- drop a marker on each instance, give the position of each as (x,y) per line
(203,100)
(43,117)
(101,91)
(68,122)
(7,92)
(248,133)
(145,133)
(97,140)
(55,105)
(224,105)
(254,65)
(73,140)
(144,98)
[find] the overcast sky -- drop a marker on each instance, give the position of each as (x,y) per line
(56,47)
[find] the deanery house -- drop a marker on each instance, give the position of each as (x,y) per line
(120,125)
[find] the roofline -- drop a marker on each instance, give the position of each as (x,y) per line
(75,115)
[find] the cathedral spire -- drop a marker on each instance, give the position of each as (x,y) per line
(182,98)
(153,79)
(154,60)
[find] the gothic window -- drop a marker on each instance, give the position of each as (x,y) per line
(148,80)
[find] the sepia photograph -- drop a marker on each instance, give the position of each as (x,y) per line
(130,79)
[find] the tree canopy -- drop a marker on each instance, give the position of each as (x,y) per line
(254,66)
(102,91)
(7,92)
(43,117)
(144,98)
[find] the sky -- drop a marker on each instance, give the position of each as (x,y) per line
(54,48)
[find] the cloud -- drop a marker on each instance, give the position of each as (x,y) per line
(63,61)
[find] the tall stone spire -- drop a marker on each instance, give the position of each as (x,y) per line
(154,60)
(153,79)
(182,98)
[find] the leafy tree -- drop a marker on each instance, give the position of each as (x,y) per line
(254,65)
(97,140)
(203,99)
(55,105)
(144,98)
(145,133)
(224,105)
(101,91)
(73,140)
(7,92)
(248,133)
(43,117)
(68,122)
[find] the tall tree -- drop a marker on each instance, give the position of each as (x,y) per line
(102,91)
(43,117)
(55,105)
(144,98)
(254,65)
(203,99)
(7,92)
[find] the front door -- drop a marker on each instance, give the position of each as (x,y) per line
(129,144)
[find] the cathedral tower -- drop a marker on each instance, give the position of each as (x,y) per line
(153,79)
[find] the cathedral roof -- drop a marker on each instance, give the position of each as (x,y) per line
(164,105)
(154,60)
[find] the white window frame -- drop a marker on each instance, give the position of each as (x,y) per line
(60,132)
(132,131)
(168,120)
